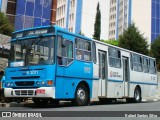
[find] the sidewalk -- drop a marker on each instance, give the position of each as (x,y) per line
(156,97)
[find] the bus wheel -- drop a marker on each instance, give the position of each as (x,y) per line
(137,95)
(2,99)
(81,96)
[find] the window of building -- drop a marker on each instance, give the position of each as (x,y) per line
(83,50)
(11,8)
(114,57)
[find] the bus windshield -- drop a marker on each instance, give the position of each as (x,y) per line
(37,51)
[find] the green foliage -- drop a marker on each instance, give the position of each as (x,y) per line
(133,40)
(5,27)
(155,51)
(97,24)
(111,42)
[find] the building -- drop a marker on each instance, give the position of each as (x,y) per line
(112,19)
(29,13)
(155,21)
(78,16)
(3,6)
(32,13)
(145,15)
(53,12)
(11,10)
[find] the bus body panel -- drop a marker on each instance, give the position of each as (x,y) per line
(46,92)
(69,76)
(115,85)
(66,87)
(102,84)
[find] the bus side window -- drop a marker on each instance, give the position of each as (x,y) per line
(145,65)
(79,54)
(152,67)
(94,52)
(137,63)
(65,51)
(131,61)
(83,49)
(114,57)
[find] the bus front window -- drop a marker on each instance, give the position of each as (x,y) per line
(38,51)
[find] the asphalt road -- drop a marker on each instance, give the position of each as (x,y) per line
(94,111)
(94,106)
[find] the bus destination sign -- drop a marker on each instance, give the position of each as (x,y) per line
(33,32)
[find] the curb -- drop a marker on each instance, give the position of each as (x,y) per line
(150,100)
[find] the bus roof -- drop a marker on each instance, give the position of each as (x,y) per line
(121,48)
(45,27)
(77,35)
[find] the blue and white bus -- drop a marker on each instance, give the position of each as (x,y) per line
(49,64)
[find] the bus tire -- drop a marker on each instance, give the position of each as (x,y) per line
(81,96)
(137,95)
(2,99)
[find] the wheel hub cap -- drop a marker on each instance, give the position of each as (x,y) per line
(81,95)
(137,95)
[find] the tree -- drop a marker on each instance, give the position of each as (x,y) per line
(111,42)
(155,51)
(97,24)
(5,27)
(133,40)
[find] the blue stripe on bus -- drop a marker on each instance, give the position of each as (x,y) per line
(83,78)
(110,80)
(132,82)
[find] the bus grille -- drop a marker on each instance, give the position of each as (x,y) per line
(25,83)
(24,92)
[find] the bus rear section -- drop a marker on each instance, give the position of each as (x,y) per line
(124,74)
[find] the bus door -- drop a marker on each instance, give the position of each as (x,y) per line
(126,75)
(102,72)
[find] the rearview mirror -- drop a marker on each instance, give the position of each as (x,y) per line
(63,42)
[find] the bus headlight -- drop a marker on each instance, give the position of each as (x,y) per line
(50,82)
(8,84)
(37,82)
(11,83)
(43,83)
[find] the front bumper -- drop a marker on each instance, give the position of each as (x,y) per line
(44,92)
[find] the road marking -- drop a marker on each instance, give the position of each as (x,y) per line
(144,100)
(155,99)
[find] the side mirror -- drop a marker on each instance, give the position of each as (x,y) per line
(63,42)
